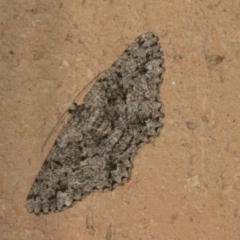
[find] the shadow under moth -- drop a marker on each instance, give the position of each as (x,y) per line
(95,149)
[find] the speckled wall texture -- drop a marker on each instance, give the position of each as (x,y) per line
(186,183)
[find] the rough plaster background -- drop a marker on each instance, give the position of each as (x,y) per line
(184,185)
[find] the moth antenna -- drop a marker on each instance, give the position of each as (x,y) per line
(87,86)
(61,119)
(55,127)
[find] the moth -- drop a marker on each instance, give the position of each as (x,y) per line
(94,151)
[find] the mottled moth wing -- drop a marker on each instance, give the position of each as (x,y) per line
(94,150)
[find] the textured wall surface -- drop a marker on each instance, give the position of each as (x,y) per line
(186,183)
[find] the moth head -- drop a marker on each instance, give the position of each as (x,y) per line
(72,108)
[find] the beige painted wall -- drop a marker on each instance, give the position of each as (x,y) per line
(185,184)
